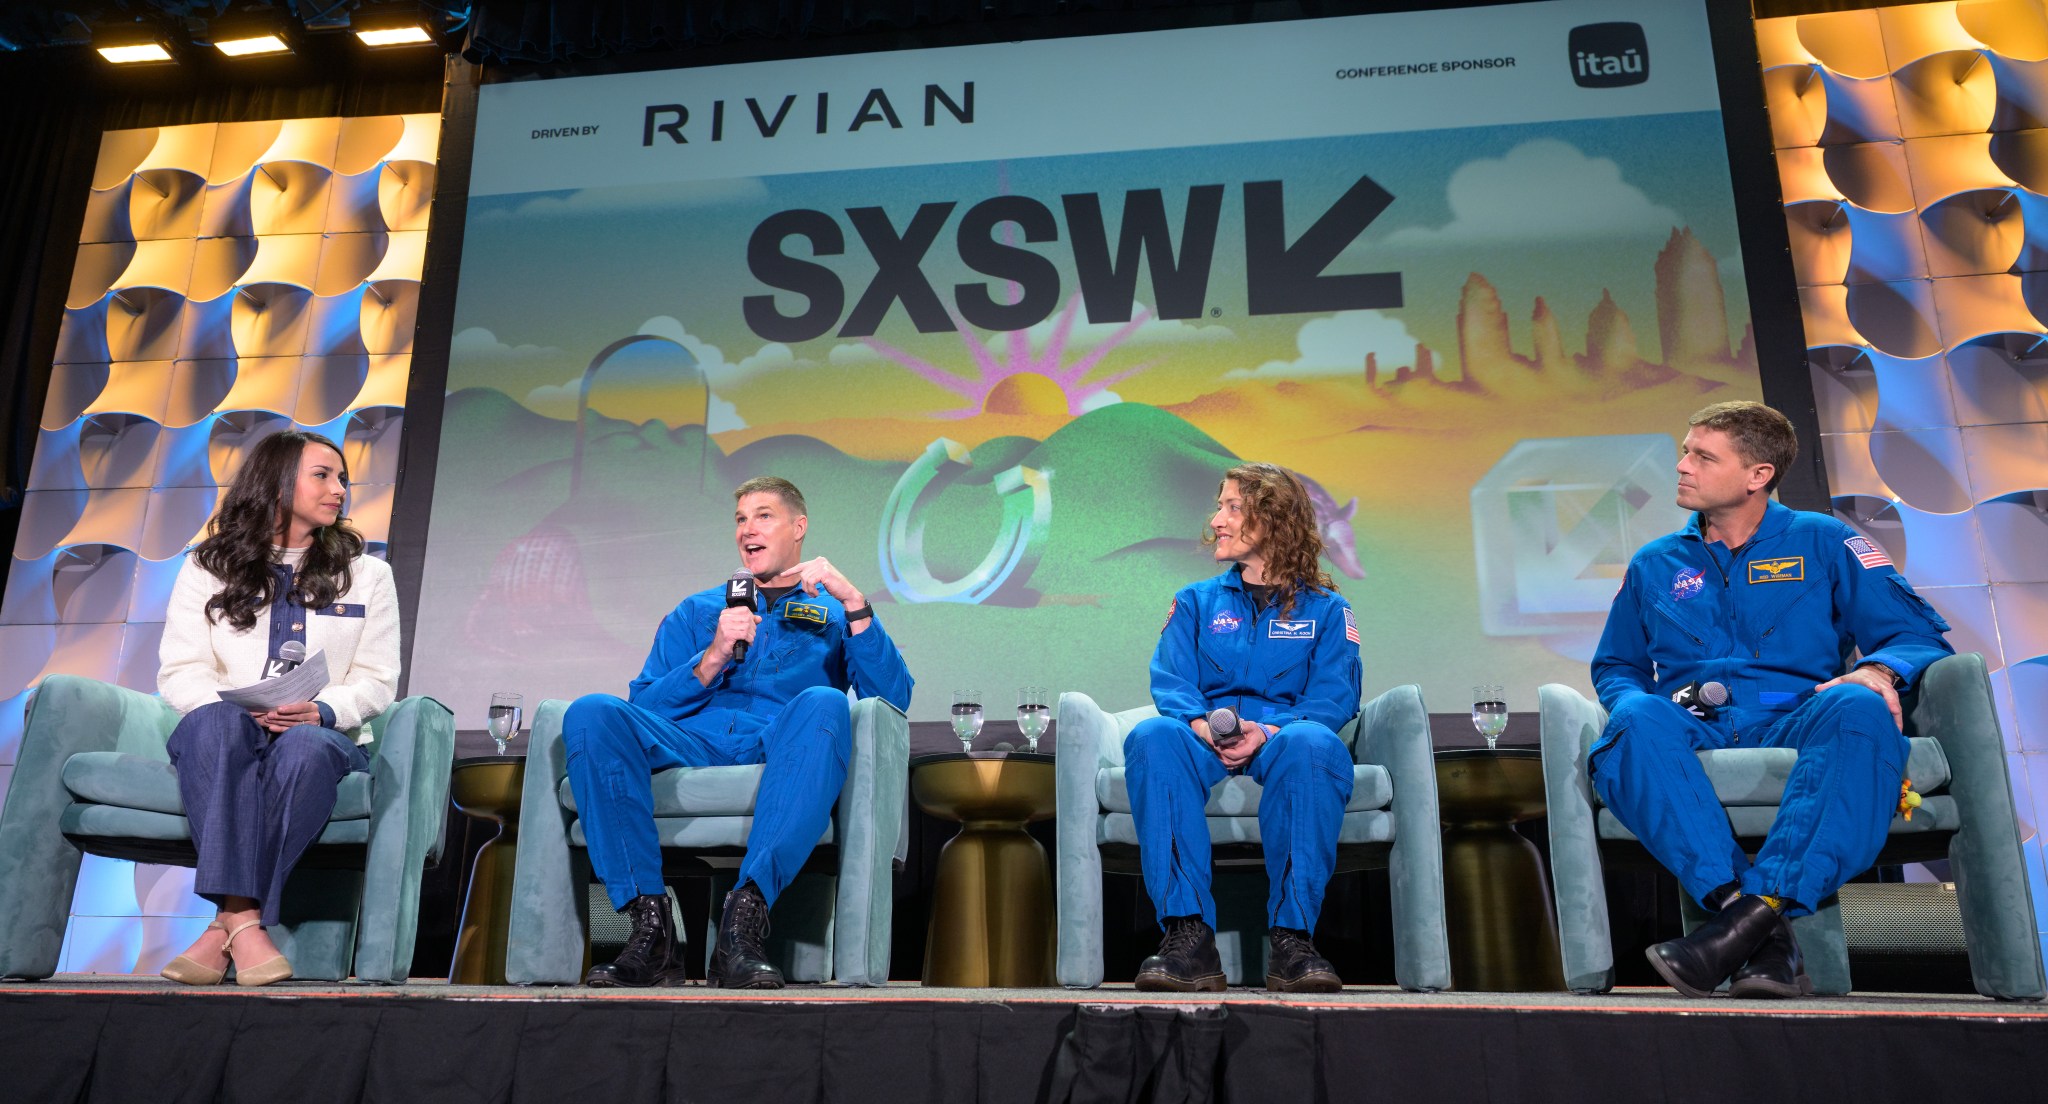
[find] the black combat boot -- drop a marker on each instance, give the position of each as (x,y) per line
(1187,961)
(1697,964)
(1776,970)
(653,954)
(1295,967)
(740,961)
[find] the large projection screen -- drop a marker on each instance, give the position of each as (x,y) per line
(1006,313)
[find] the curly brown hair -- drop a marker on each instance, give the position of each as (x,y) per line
(1284,521)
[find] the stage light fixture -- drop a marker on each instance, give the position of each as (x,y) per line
(254,44)
(399,35)
(134,53)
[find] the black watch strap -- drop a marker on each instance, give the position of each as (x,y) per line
(860,614)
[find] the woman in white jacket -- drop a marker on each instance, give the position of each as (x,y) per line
(280,564)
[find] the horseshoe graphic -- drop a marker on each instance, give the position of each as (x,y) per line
(1014,554)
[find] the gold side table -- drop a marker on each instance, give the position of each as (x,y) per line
(487,787)
(1503,933)
(993,920)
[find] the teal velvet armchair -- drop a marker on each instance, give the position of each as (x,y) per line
(94,776)
(832,923)
(1391,821)
(1956,761)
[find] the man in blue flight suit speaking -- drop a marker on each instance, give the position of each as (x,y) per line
(1768,603)
(1272,640)
(731,684)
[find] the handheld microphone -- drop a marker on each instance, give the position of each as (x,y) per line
(1701,699)
(739,591)
(290,654)
(1224,729)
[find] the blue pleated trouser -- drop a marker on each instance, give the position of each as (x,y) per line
(254,803)
(1304,772)
(614,748)
(1838,803)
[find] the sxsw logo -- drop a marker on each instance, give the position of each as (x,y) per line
(1609,55)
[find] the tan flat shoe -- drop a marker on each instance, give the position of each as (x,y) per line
(189,971)
(268,972)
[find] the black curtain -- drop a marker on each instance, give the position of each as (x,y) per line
(59,102)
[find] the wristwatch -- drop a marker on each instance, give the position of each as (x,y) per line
(860,614)
(1897,682)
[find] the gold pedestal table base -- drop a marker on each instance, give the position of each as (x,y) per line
(487,787)
(993,919)
(1503,932)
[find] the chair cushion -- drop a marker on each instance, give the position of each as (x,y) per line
(1368,826)
(696,791)
(1753,777)
(1238,795)
(1936,814)
(698,833)
(114,822)
(124,781)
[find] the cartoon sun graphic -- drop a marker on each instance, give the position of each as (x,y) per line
(1017,381)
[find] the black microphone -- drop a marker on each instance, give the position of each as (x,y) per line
(290,654)
(1701,699)
(1224,731)
(739,591)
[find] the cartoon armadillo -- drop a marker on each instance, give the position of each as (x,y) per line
(1334,523)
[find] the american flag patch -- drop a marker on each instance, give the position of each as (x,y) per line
(1350,626)
(1170,611)
(1866,553)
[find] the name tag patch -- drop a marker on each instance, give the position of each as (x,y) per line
(342,609)
(797,611)
(1291,630)
(1225,622)
(1784,569)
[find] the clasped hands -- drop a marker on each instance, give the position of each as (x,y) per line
(1241,752)
(285,716)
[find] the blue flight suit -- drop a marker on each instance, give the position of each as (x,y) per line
(785,706)
(1299,673)
(1769,621)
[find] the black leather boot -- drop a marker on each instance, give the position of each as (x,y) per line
(1187,961)
(740,961)
(653,954)
(1295,967)
(1776,970)
(1697,964)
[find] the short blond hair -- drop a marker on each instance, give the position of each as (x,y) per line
(1760,433)
(775,485)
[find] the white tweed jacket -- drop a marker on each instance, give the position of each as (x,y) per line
(198,658)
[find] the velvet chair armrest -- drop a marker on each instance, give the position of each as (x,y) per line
(408,829)
(1569,725)
(1081,736)
(38,867)
(1393,733)
(545,943)
(869,827)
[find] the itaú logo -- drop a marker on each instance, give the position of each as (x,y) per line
(1609,55)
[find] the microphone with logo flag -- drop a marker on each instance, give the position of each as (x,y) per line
(1701,699)
(739,591)
(1224,729)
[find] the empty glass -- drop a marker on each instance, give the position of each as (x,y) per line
(1033,714)
(504,719)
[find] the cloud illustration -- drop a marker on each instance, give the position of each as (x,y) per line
(1541,189)
(1337,344)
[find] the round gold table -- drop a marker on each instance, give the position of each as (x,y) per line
(1503,933)
(487,787)
(993,921)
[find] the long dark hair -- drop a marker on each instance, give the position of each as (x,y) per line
(237,549)
(1279,506)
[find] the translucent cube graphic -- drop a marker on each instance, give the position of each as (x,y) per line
(1555,522)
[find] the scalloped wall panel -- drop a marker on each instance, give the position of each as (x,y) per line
(1932,383)
(231,280)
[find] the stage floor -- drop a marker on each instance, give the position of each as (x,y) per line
(87,1037)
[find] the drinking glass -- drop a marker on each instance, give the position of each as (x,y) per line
(966,717)
(504,719)
(1489,713)
(1032,714)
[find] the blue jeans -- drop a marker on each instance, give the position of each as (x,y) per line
(1838,803)
(1305,773)
(255,803)
(614,748)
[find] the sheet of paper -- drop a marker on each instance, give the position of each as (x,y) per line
(296,685)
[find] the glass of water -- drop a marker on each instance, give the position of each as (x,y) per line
(966,717)
(504,719)
(1032,714)
(1489,713)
